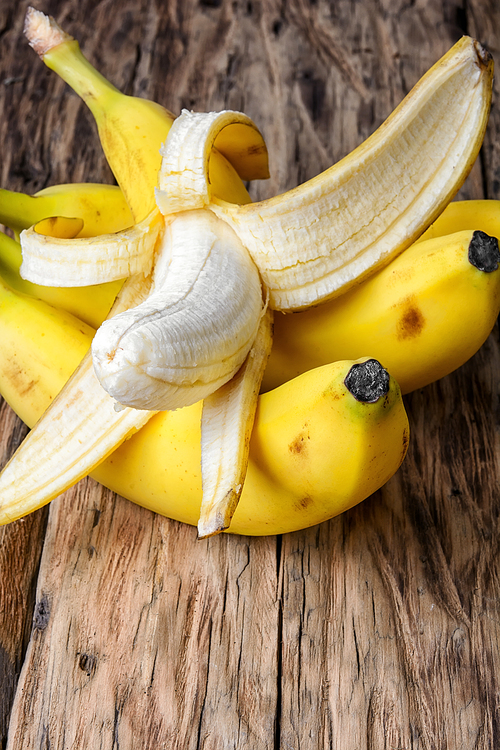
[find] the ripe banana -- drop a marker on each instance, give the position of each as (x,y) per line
(131,129)
(316,449)
(41,347)
(102,208)
(458,215)
(422,316)
(411,168)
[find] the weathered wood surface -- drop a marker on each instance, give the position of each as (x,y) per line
(379,629)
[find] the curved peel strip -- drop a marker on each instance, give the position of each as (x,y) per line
(317,240)
(183,181)
(226,426)
(54,261)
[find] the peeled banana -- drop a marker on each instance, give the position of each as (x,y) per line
(168,341)
(316,449)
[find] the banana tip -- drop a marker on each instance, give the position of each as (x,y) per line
(484,55)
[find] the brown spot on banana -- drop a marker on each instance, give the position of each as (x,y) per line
(17,378)
(411,321)
(304,503)
(298,446)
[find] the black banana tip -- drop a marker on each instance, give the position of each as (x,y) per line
(484,252)
(367,381)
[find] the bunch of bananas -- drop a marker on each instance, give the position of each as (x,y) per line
(180,276)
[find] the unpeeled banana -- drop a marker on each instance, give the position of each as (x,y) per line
(483,215)
(131,129)
(102,208)
(423,316)
(315,450)
(410,169)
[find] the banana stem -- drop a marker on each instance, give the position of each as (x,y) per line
(19,211)
(10,259)
(62,53)
(68,62)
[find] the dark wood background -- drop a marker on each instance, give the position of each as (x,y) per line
(377,630)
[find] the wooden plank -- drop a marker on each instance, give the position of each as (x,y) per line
(379,629)
(395,604)
(143,635)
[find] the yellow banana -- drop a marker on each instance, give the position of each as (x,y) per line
(422,316)
(41,347)
(316,449)
(102,208)
(131,129)
(458,215)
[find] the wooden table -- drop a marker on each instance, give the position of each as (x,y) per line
(378,629)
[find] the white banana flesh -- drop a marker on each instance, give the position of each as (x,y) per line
(196,327)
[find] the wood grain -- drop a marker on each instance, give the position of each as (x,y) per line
(377,630)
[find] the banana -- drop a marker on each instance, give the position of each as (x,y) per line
(41,347)
(483,215)
(316,449)
(307,246)
(422,316)
(131,129)
(140,356)
(102,208)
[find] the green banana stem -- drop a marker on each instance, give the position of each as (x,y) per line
(19,211)
(68,61)
(108,106)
